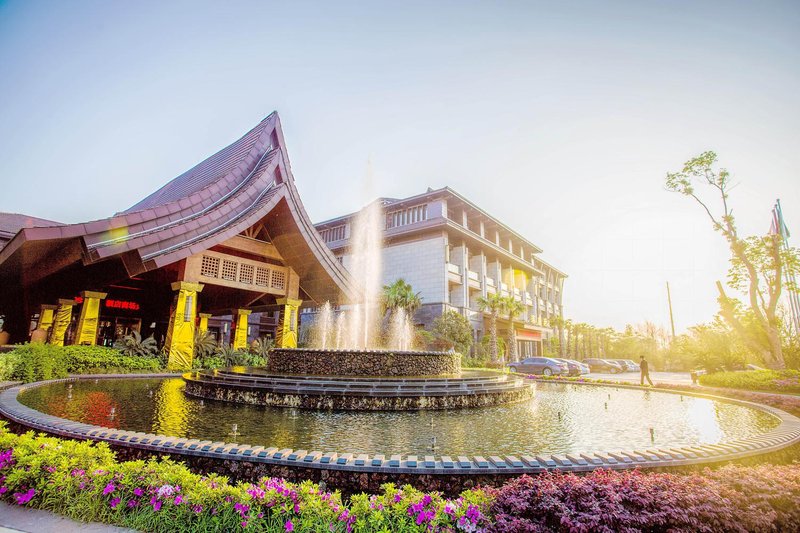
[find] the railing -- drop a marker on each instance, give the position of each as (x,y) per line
(453,269)
(473,276)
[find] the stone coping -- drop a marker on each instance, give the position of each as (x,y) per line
(786,434)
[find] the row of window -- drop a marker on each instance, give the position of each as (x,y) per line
(335,233)
(215,267)
(403,217)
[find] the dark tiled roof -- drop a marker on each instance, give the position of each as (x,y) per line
(216,200)
(207,172)
(11,223)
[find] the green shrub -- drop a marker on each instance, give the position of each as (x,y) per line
(787,381)
(37,362)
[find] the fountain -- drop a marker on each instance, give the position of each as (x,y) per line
(351,365)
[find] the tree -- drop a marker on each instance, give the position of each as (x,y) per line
(513,309)
(492,304)
(757,263)
(453,330)
(133,345)
(400,295)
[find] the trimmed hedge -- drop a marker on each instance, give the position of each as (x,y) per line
(37,362)
(784,381)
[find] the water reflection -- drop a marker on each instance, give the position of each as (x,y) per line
(560,419)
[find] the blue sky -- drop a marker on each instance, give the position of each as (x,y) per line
(561,120)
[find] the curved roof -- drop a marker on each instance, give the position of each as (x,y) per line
(242,184)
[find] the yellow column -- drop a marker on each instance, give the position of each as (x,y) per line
(46,317)
(61,322)
(287,328)
(240,330)
(180,333)
(90,313)
(203,327)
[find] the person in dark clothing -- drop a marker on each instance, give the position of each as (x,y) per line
(644,367)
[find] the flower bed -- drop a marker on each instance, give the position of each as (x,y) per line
(84,481)
(763,498)
(781,381)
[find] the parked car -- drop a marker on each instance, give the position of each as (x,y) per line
(576,368)
(603,365)
(540,365)
(627,365)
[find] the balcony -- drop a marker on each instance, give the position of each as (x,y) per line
(454,273)
(473,280)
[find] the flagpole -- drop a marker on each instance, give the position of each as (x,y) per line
(789,279)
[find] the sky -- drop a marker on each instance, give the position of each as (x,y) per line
(560,119)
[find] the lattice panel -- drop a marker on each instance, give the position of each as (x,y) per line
(278,280)
(210,266)
(229,270)
(246,273)
(262,277)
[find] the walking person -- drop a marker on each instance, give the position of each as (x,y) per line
(645,369)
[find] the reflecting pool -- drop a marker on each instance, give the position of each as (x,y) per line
(562,418)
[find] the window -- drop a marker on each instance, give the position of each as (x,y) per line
(246,273)
(209,267)
(262,277)
(335,233)
(278,279)
(404,217)
(229,270)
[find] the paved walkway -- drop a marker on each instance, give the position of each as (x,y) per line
(15,518)
(671,378)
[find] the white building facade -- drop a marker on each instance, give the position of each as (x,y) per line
(452,252)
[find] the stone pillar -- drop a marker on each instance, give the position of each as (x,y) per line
(61,321)
(46,317)
(180,333)
(241,318)
(286,335)
(90,313)
(203,327)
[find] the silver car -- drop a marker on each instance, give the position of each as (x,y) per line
(544,366)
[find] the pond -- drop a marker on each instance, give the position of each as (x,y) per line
(561,418)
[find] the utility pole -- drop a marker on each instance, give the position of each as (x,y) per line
(671,320)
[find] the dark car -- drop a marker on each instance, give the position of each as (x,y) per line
(603,365)
(576,368)
(540,365)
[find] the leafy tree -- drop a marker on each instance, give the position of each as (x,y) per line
(400,295)
(513,309)
(757,263)
(492,304)
(453,330)
(133,345)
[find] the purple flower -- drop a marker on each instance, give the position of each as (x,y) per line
(244,524)
(138,492)
(24,497)
(133,503)
(157,506)
(114,502)
(109,489)
(166,490)
(289,525)
(178,499)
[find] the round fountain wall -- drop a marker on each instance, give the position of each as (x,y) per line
(364,363)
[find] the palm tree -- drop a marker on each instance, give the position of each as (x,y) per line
(133,345)
(400,295)
(493,304)
(513,309)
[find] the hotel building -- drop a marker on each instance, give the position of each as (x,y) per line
(452,252)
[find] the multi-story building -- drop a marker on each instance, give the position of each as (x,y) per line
(453,252)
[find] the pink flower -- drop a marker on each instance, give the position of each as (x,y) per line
(114,502)
(24,497)
(178,499)
(289,525)
(133,503)
(157,506)
(109,489)
(138,492)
